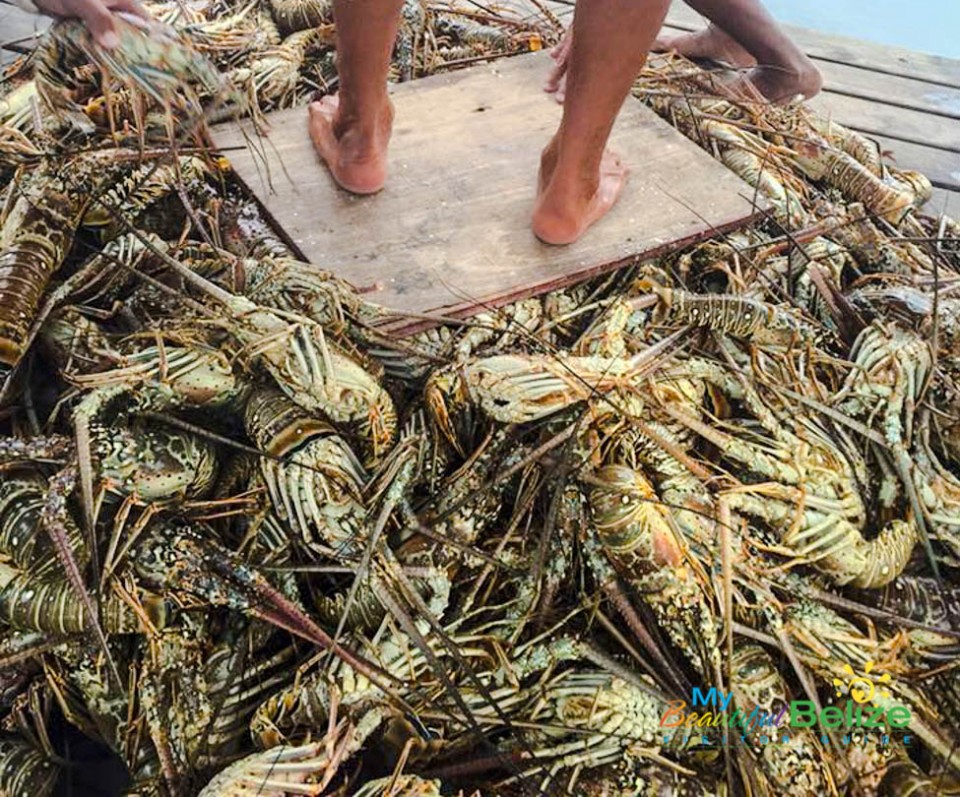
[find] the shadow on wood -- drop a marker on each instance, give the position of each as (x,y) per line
(450,233)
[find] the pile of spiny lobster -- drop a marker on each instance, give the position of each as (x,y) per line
(692,528)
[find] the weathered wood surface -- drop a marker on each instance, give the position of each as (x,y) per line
(893,90)
(876,118)
(450,234)
(943,202)
(936,164)
(18,31)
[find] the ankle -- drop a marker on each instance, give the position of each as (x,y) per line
(793,62)
(809,76)
(364,118)
(572,188)
(785,80)
(563,204)
(565,177)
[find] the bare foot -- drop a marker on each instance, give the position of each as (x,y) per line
(564,212)
(712,42)
(794,75)
(355,151)
(557,79)
(783,84)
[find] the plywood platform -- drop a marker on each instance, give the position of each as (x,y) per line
(450,233)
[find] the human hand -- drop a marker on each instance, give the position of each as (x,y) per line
(97,15)
(557,80)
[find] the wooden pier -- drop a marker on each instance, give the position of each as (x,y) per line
(908,102)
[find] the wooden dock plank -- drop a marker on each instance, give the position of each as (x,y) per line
(880,58)
(18,31)
(943,168)
(902,124)
(450,233)
(905,92)
(943,202)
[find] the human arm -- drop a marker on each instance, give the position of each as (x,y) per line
(97,15)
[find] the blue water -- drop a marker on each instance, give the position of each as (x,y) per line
(928,26)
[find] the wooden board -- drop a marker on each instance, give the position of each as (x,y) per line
(450,233)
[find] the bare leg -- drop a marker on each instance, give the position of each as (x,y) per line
(351,131)
(579,180)
(743,33)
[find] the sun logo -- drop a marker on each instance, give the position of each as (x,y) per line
(863,687)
